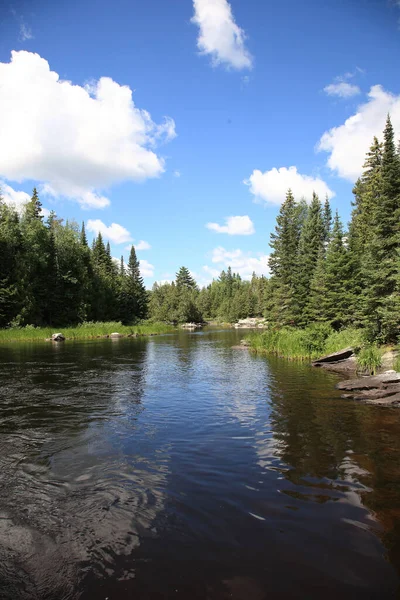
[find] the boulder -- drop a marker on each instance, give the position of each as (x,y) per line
(115,336)
(251,323)
(347,366)
(192,325)
(334,357)
(57,337)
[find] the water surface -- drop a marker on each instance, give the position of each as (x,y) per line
(179,467)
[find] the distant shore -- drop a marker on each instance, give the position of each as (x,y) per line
(83,331)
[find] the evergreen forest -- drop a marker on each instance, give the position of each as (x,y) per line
(320,270)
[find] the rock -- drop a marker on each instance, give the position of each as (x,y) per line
(334,357)
(192,325)
(349,365)
(251,323)
(57,337)
(245,343)
(366,383)
(115,336)
(388,359)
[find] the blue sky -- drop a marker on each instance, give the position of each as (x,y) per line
(167,116)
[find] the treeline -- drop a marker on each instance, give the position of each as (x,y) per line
(50,276)
(319,273)
(322,274)
(227,298)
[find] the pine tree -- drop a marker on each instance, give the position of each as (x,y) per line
(379,265)
(184,279)
(338,282)
(33,209)
(327,219)
(83,237)
(133,296)
(311,244)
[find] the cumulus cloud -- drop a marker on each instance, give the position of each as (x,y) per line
(348,143)
(234,226)
(114,233)
(13,197)
(141,245)
(219,35)
(146,269)
(241,262)
(343,89)
(271,186)
(17,199)
(76,140)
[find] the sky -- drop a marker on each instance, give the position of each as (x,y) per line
(179,125)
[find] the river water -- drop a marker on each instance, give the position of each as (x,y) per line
(179,467)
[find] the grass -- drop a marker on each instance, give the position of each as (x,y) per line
(396,364)
(369,359)
(81,331)
(305,344)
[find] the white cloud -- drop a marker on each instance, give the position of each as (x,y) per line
(241,262)
(348,144)
(272,185)
(146,269)
(234,226)
(219,35)
(342,89)
(142,245)
(25,32)
(76,141)
(114,233)
(13,197)
(18,199)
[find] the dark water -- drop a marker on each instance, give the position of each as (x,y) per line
(178,467)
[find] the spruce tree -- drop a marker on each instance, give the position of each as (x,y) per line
(133,294)
(338,282)
(83,237)
(380,261)
(311,244)
(184,279)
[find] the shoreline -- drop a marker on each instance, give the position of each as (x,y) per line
(87,331)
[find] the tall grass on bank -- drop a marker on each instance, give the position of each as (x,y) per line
(305,344)
(82,331)
(369,359)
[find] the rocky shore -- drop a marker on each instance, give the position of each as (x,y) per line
(382,389)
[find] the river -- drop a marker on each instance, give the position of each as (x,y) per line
(179,467)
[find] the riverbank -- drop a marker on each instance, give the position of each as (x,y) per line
(83,331)
(317,340)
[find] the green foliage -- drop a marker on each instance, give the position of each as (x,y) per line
(84,330)
(369,359)
(49,275)
(396,364)
(292,343)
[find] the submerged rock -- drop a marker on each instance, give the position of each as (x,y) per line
(57,337)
